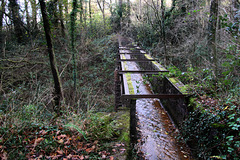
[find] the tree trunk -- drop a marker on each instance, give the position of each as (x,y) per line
(2,10)
(14,8)
(140,8)
(85,14)
(34,14)
(90,14)
(65,2)
(73,25)
(166,56)
(128,13)
(27,14)
(60,3)
(212,33)
(103,12)
(110,7)
(81,11)
(57,83)
(53,13)
(102,8)
(120,13)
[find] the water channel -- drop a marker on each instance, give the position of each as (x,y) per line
(156,129)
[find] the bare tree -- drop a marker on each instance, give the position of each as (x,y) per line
(102,8)
(57,83)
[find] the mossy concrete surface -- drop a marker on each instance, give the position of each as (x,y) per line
(121,121)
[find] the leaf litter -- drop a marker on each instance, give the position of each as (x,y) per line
(54,143)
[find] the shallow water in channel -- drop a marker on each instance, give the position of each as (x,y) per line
(156,129)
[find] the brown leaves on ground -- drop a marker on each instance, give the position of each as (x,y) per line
(57,144)
(213,104)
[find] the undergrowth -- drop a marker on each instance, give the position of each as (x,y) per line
(29,126)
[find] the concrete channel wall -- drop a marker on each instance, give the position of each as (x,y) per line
(176,107)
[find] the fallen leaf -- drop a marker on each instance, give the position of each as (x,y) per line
(59,152)
(69,156)
(43,132)
(62,136)
(56,157)
(89,150)
(111,158)
(58,132)
(37,141)
(122,150)
(61,141)
(93,147)
(118,145)
(67,142)
(103,156)
(4,156)
(95,142)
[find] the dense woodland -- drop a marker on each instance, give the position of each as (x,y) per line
(57,68)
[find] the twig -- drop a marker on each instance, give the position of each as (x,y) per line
(66,66)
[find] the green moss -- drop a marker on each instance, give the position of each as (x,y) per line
(129,82)
(123,120)
(128,76)
(154,62)
(173,80)
(182,88)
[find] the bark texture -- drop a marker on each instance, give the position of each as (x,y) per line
(57,83)
(14,8)
(212,33)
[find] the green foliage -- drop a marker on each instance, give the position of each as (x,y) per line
(213,130)
(96,28)
(101,126)
(232,27)
(70,125)
(145,34)
(230,67)
(118,15)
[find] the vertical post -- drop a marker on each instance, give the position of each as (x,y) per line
(117,89)
(133,121)
(133,129)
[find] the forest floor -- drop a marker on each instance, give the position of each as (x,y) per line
(88,127)
(66,141)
